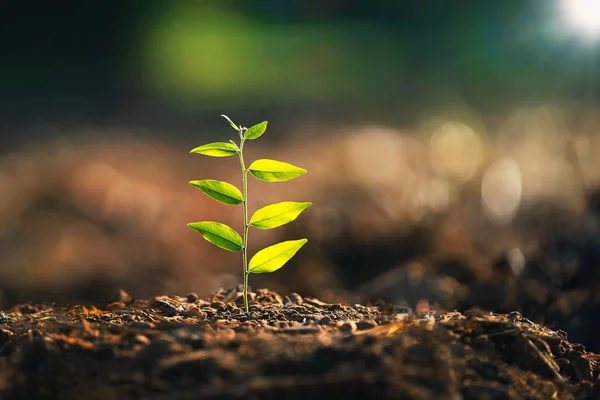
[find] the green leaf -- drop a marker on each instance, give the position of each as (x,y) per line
(256,131)
(274,257)
(275,215)
(217,149)
(220,191)
(218,234)
(274,171)
(234,126)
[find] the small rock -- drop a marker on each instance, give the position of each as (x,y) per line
(195,312)
(115,306)
(295,298)
(28,309)
(346,326)
(143,339)
(314,302)
(202,303)
(125,297)
(218,305)
(325,321)
(365,324)
(165,308)
(192,297)
(515,316)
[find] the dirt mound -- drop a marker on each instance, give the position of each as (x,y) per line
(285,347)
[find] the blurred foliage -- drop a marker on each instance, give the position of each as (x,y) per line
(195,52)
(376,53)
(143,59)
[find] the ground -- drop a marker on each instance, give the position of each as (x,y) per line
(285,347)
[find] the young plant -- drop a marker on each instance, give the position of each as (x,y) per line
(272,216)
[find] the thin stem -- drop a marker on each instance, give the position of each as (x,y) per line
(246,226)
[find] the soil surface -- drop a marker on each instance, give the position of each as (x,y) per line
(286,347)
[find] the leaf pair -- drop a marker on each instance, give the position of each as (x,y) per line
(268,217)
(266,260)
(264,169)
(251,133)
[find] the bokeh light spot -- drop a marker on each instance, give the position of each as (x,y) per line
(457,150)
(501,190)
(376,156)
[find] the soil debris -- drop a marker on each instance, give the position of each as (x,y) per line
(285,347)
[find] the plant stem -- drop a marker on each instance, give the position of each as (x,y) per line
(246,226)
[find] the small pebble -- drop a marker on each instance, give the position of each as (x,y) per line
(295,298)
(195,312)
(515,316)
(192,297)
(124,297)
(143,339)
(218,305)
(114,306)
(346,326)
(365,324)
(167,309)
(28,309)
(202,303)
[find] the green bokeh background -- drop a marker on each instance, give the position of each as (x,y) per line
(169,64)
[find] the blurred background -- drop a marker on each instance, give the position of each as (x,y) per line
(451,149)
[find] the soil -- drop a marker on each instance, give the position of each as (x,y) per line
(286,347)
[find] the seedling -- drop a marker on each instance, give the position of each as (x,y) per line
(272,216)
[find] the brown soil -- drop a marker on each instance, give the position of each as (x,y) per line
(285,347)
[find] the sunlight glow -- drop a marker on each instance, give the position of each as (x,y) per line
(457,150)
(501,190)
(582,16)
